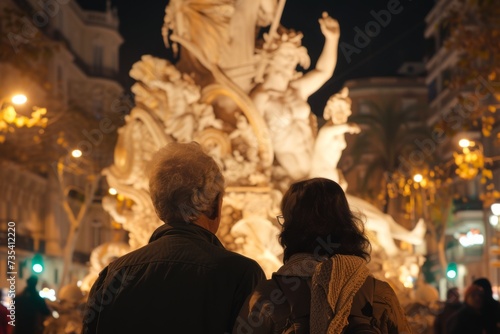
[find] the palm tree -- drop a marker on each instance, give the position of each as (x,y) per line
(388,139)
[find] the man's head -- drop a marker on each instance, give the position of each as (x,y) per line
(474,296)
(486,285)
(185,183)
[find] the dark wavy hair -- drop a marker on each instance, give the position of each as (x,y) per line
(318,220)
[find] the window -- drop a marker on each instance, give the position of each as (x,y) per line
(432,90)
(96,233)
(364,109)
(98,57)
(408,102)
(430,48)
(60,80)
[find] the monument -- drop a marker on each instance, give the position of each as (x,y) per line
(247,106)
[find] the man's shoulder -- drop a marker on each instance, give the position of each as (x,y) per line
(232,258)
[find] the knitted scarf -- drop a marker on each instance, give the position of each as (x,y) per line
(334,284)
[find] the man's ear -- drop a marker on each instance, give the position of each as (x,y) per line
(216,207)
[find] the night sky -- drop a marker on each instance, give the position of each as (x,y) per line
(400,40)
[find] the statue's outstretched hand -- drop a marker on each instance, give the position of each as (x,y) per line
(329,26)
(353,128)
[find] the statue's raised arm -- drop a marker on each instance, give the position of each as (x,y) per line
(314,79)
(281,92)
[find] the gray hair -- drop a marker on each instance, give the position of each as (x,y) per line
(184,183)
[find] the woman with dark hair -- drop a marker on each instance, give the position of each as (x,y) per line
(316,212)
(324,284)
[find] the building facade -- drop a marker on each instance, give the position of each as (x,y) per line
(471,241)
(83,96)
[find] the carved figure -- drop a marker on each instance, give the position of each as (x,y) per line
(281,95)
(331,140)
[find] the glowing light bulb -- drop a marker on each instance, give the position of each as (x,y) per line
(19,99)
(464,143)
(76,153)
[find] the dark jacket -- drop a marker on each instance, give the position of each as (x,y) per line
(491,315)
(183,281)
(465,321)
(31,310)
(442,317)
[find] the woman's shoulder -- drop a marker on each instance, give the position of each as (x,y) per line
(383,288)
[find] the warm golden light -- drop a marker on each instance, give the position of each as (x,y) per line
(495,209)
(76,153)
(464,143)
(418,178)
(112,191)
(19,99)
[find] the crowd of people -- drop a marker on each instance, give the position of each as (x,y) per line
(185,281)
(478,313)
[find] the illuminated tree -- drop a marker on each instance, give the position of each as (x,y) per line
(474,33)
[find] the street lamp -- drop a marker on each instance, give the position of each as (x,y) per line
(19,99)
(418,178)
(10,119)
(76,153)
(471,161)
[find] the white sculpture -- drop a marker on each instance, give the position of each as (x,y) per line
(281,95)
(252,117)
(258,238)
(331,140)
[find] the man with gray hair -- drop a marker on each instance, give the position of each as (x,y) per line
(183,280)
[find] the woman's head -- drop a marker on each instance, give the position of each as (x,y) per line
(318,220)
(474,296)
(185,183)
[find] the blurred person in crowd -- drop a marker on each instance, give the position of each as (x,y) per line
(183,280)
(468,319)
(452,305)
(491,308)
(31,309)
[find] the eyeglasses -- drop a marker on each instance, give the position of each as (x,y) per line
(281,220)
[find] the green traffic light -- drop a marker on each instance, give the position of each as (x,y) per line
(37,263)
(452,270)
